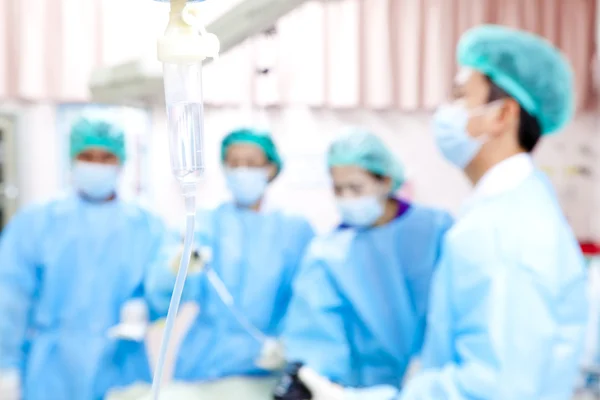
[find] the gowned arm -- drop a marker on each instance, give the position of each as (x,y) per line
(18,283)
(314,331)
(504,340)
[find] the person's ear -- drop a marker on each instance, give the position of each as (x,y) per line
(272,171)
(504,117)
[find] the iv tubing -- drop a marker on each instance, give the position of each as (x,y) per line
(227,299)
(190,207)
(182,49)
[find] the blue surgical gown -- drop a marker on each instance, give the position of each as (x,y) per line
(257,256)
(66,268)
(360,301)
(508,308)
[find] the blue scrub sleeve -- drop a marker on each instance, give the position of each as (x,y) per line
(124,361)
(298,244)
(506,329)
(420,283)
(18,285)
(314,330)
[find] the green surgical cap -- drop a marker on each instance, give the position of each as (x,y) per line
(88,133)
(260,139)
(367,151)
(527,67)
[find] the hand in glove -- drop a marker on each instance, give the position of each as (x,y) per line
(320,387)
(272,355)
(199,259)
(134,322)
(10,385)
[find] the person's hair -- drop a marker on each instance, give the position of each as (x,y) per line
(530,130)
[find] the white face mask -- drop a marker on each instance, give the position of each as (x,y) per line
(96,181)
(361,212)
(450,130)
(247,185)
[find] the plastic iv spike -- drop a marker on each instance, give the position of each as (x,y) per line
(182,49)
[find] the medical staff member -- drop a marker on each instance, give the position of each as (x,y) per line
(508,306)
(66,269)
(255,252)
(360,301)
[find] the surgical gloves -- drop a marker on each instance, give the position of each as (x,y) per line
(272,355)
(320,387)
(134,322)
(198,260)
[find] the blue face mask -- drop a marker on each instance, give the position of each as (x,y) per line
(96,181)
(247,185)
(360,212)
(451,136)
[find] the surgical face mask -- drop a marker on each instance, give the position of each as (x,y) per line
(451,136)
(360,212)
(247,185)
(94,180)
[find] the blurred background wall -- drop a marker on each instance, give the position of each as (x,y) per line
(379,64)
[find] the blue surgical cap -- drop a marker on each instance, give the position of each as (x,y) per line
(87,133)
(527,67)
(261,139)
(367,151)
